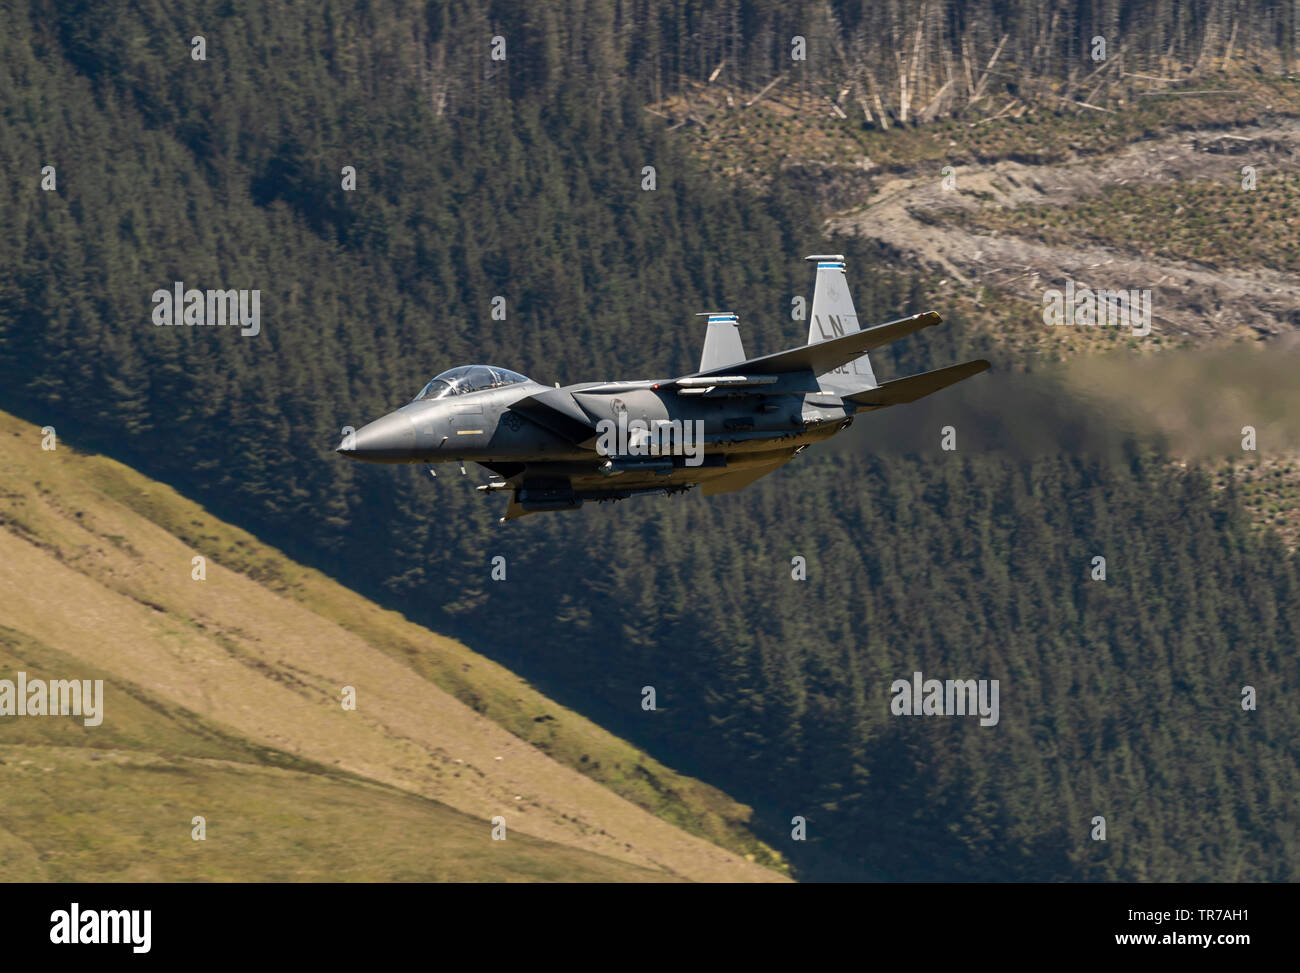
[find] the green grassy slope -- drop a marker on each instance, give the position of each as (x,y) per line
(223,700)
(118,805)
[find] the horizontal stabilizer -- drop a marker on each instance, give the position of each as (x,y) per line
(825,356)
(915,386)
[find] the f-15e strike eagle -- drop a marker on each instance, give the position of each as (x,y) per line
(722,427)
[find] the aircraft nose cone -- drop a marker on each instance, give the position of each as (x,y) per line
(390,439)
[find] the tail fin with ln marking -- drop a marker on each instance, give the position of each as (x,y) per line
(834,316)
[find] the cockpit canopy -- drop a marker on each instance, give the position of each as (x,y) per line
(468,378)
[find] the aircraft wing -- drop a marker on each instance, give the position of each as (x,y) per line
(556,410)
(742,477)
(825,356)
(914,387)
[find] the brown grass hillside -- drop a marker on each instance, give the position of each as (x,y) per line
(223,700)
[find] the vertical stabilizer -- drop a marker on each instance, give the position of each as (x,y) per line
(833,315)
(722,345)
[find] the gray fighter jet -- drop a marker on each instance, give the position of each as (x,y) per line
(722,427)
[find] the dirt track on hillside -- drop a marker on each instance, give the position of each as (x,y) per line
(904,216)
